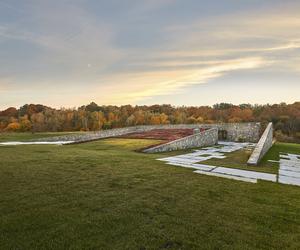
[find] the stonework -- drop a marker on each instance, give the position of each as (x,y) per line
(234,132)
(91,136)
(263,146)
(240,132)
(206,138)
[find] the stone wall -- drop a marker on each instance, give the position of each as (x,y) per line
(206,138)
(248,132)
(235,131)
(90,136)
(263,146)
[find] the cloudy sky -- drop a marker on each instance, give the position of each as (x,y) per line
(184,52)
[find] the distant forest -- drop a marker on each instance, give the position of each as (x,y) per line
(92,117)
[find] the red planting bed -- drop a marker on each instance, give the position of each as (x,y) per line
(165,135)
(161,134)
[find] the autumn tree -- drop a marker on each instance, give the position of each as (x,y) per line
(285,117)
(37,121)
(25,124)
(13,127)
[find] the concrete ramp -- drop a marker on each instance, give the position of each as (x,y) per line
(263,146)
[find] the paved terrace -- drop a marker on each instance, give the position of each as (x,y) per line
(289,172)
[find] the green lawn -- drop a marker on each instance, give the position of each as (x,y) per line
(4,137)
(280,147)
(104,195)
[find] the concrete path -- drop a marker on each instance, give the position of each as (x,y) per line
(289,171)
(15,143)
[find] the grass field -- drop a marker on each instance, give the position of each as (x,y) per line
(104,195)
(4,137)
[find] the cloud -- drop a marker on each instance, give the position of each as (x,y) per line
(5,84)
(150,5)
(211,48)
(206,51)
(64,39)
(147,52)
(261,30)
(170,82)
(291,45)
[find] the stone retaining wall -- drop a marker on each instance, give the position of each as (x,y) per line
(263,146)
(90,136)
(243,132)
(235,131)
(206,138)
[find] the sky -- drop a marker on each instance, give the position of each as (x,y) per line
(67,53)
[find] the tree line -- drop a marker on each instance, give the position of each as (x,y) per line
(92,117)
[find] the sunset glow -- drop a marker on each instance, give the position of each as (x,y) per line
(147,52)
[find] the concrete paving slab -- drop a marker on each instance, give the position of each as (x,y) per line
(289,168)
(290,163)
(193,166)
(246,173)
(289,173)
(289,180)
(166,159)
(290,157)
(204,166)
(238,178)
(196,158)
(182,160)
(294,155)
(219,157)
